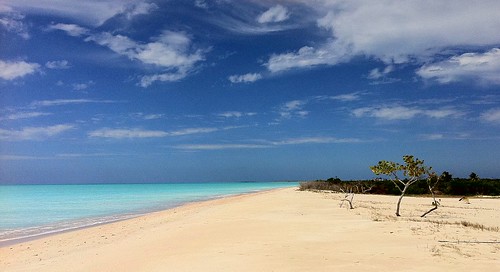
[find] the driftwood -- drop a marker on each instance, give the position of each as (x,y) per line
(349,192)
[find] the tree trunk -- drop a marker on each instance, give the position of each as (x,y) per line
(401,198)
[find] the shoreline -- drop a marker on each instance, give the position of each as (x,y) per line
(118,218)
(281,230)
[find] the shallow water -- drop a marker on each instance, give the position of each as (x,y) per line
(32,210)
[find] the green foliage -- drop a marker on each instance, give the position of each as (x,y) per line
(413,168)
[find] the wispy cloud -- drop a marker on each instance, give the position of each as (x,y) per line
(491,116)
(24,115)
(380,73)
(20,158)
(274,14)
(480,67)
(293,108)
(250,77)
(34,133)
(58,64)
(201,4)
(91,12)
(82,86)
(63,102)
(271,144)
(220,146)
(317,140)
(10,70)
(70,29)
(151,116)
(127,133)
(236,114)
(404,112)
(139,8)
(143,133)
(86,155)
(347,97)
(13,22)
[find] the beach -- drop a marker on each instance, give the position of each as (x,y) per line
(279,230)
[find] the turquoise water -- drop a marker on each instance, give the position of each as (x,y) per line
(31,210)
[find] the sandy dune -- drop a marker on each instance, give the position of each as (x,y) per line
(280,230)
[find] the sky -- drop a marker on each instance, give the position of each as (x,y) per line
(133,91)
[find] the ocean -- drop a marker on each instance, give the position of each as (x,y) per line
(27,211)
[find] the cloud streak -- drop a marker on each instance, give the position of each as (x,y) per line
(246,78)
(271,144)
(63,102)
(403,112)
(131,133)
(34,133)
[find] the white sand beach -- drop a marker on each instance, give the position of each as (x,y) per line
(279,230)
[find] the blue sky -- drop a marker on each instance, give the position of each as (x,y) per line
(181,91)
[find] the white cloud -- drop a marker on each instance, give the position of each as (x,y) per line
(293,108)
(221,146)
(140,8)
(13,23)
(127,133)
(70,29)
(201,4)
(394,32)
(432,137)
(57,64)
(403,112)
(271,144)
(63,102)
(274,14)
(82,86)
(33,133)
(141,133)
(91,12)
(250,77)
(377,73)
(153,116)
(316,140)
(491,116)
(171,52)
(189,131)
(305,57)
(236,114)
(24,115)
(10,70)
(346,97)
(481,67)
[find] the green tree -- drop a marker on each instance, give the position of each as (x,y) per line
(473,177)
(445,182)
(413,169)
